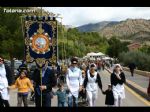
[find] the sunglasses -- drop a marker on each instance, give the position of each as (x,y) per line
(74,63)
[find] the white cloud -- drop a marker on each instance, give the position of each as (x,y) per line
(77,16)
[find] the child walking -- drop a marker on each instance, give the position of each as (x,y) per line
(109,101)
(61,95)
(23,84)
(82,93)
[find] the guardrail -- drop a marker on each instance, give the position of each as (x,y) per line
(139,72)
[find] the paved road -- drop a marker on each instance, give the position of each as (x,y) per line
(138,79)
(132,99)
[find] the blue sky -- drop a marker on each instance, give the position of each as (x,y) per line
(77,16)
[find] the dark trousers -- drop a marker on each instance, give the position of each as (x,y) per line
(82,94)
(46,100)
(132,71)
(61,104)
(4,103)
(62,79)
(72,101)
(22,98)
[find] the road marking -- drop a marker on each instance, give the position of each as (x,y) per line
(138,96)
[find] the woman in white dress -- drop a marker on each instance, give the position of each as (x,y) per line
(117,81)
(74,83)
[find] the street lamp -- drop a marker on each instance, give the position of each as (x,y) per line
(63,45)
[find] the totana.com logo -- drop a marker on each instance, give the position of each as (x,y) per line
(10,10)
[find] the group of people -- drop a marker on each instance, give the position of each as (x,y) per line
(92,81)
(24,84)
(81,81)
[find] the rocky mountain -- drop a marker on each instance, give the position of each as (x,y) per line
(95,27)
(131,29)
(127,28)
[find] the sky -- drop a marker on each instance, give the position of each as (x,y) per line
(77,16)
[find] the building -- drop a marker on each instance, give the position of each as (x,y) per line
(134,46)
(94,56)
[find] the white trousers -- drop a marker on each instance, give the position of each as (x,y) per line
(91,97)
(119,94)
(117,100)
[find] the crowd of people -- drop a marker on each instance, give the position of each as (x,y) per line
(78,81)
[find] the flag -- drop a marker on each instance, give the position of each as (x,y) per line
(40,39)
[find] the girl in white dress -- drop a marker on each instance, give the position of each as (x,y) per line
(117,81)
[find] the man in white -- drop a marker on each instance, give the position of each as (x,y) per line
(74,83)
(4,96)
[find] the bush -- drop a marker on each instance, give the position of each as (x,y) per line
(141,59)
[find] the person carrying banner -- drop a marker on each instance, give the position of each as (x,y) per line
(48,81)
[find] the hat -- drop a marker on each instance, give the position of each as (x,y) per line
(117,65)
(74,61)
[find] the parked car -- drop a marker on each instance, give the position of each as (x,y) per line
(32,67)
(17,63)
(8,62)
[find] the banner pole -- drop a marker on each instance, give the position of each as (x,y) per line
(41,70)
(41,84)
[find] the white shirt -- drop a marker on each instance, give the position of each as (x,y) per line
(3,78)
(74,79)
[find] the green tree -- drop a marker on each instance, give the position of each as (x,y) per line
(11,34)
(140,59)
(116,47)
(145,49)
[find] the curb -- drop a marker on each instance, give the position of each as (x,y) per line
(138,72)
(138,89)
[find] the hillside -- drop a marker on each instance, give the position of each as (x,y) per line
(95,27)
(127,28)
(130,29)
